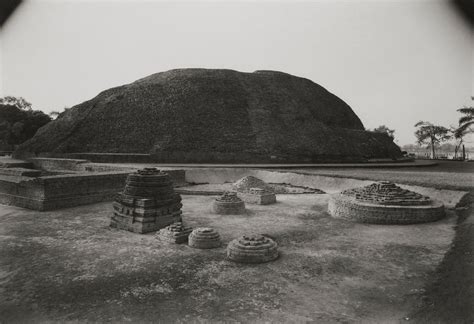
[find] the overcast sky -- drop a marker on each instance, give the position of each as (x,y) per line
(393,62)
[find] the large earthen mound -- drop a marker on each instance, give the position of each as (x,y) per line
(201,115)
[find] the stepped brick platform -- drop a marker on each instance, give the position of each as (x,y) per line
(175,233)
(385,203)
(228,204)
(258,196)
(204,238)
(252,249)
(148,202)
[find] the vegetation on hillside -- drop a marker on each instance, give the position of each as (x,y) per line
(18,122)
(385,130)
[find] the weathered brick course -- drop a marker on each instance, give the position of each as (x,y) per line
(252,249)
(142,208)
(228,204)
(387,206)
(204,238)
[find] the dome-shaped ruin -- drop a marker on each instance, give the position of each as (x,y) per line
(252,249)
(201,115)
(385,203)
(204,238)
(249,182)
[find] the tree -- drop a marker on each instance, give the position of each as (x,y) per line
(384,129)
(430,134)
(464,126)
(56,114)
(18,102)
(17,125)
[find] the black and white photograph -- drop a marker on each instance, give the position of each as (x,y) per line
(237,161)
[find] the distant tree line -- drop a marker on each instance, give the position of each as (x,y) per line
(18,121)
(433,135)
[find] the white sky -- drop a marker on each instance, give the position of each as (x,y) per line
(393,62)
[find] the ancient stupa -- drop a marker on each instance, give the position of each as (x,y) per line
(147,203)
(206,115)
(385,203)
(228,204)
(204,238)
(252,249)
(253,190)
(175,233)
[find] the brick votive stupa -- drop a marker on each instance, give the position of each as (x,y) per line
(147,203)
(252,190)
(246,183)
(252,249)
(228,204)
(204,238)
(175,233)
(385,203)
(257,196)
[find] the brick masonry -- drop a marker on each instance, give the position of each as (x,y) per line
(147,203)
(175,233)
(257,196)
(204,238)
(252,249)
(228,204)
(346,207)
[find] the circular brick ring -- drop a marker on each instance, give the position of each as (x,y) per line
(349,208)
(252,249)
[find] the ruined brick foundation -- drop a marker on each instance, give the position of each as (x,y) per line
(385,203)
(252,249)
(258,196)
(175,233)
(228,204)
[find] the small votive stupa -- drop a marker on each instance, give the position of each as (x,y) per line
(204,238)
(385,203)
(175,233)
(147,203)
(252,190)
(252,249)
(228,204)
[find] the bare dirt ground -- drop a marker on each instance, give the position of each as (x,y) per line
(68,265)
(449,296)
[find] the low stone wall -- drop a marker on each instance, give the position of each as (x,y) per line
(198,156)
(54,192)
(341,206)
(50,164)
(67,190)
